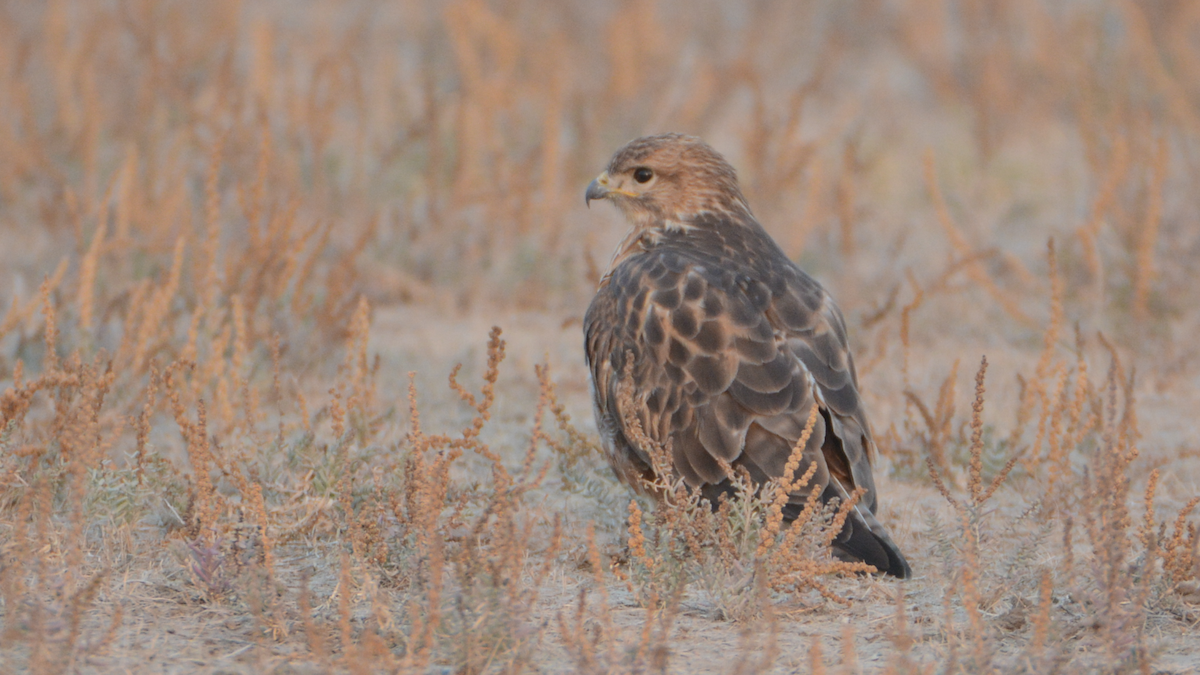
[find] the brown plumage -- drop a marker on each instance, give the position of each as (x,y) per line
(732,344)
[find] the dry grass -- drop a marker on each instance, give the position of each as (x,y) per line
(230,229)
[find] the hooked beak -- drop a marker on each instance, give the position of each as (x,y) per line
(597,189)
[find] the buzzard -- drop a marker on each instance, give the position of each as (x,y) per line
(730,343)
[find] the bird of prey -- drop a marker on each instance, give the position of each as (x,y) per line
(731,345)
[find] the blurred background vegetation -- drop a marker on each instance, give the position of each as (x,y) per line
(228,228)
(447,143)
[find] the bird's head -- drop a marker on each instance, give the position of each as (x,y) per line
(668,179)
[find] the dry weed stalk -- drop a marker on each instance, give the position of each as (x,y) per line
(1041,621)
(1120,595)
(476,541)
(1090,230)
(787,485)
(157,309)
(1144,271)
(1180,555)
(976,271)
(938,423)
(20,313)
(201,524)
(87,276)
(816,659)
(971,515)
(904,662)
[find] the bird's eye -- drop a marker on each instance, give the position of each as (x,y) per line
(642,174)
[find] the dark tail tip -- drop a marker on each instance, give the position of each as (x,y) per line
(897,565)
(857,543)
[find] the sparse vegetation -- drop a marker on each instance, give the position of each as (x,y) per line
(244,244)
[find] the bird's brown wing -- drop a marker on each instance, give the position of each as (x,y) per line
(722,367)
(727,365)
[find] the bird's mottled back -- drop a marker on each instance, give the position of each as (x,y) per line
(732,345)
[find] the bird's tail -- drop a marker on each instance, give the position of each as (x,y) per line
(864,539)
